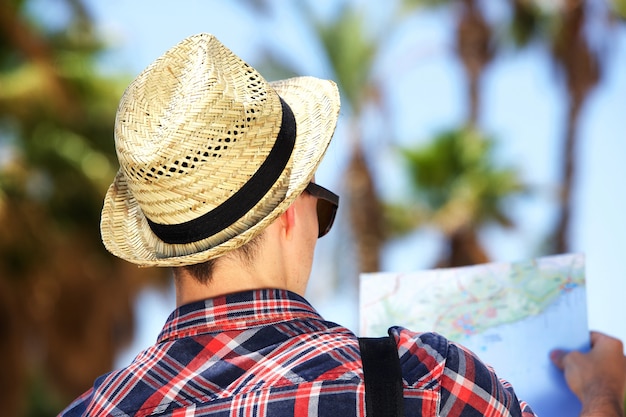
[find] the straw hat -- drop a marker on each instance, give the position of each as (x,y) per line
(210,154)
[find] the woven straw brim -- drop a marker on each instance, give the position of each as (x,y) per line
(125,230)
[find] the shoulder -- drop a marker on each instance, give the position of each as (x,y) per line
(423,355)
(111,390)
(462,379)
(436,354)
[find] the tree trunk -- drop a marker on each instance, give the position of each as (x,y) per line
(463,249)
(581,69)
(562,233)
(473,37)
(365,212)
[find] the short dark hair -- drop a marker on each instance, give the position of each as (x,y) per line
(203,272)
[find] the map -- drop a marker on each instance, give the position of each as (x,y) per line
(510,314)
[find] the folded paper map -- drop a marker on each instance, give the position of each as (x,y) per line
(510,314)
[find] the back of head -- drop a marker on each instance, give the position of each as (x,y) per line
(210,154)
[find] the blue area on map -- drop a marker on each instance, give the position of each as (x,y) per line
(519,353)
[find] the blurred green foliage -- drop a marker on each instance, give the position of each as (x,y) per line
(65,303)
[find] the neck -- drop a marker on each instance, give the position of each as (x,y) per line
(282,260)
(226,279)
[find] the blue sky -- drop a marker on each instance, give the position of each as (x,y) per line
(522,106)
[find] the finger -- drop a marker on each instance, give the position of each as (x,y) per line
(595,336)
(556,356)
(605,342)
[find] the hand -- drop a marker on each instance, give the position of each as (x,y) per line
(598,377)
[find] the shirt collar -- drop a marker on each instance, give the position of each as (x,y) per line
(237,311)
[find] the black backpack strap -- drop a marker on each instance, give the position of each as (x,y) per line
(384,394)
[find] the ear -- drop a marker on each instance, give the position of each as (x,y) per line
(288,220)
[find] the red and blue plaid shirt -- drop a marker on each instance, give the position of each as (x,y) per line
(269,353)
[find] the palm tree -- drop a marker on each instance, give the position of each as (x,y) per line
(473,45)
(352,54)
(581,69)
(474,48)
(455,175)
(459,190)
(66,304)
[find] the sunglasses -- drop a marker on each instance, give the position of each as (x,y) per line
(327,204)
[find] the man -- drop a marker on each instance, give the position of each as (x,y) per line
(216,180)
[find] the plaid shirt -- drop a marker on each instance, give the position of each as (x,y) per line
(268,353)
